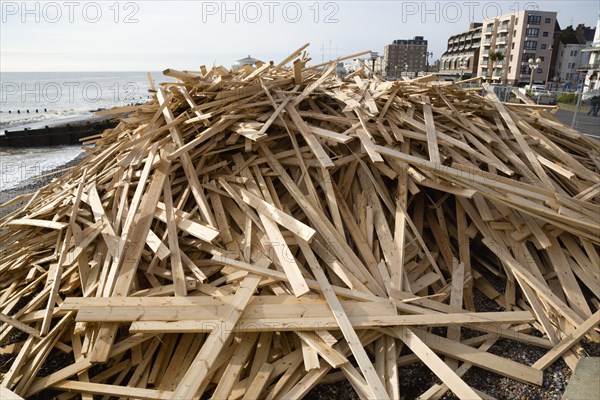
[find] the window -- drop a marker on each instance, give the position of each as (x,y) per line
(525,70)
(512,46)
(543,46)
(527,56)
(548,20)
(530,45)
(534,19)
(542,59)
(545,34)
(539,70)
(509,69)
(511,57)
(533,32)
(573,53)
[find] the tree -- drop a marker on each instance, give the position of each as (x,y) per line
(495,58)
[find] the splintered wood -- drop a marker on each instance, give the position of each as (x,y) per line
(251,233)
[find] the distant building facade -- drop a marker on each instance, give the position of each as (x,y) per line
(570,56)
(592,69)
(461,57)
(519,36)
(249,61)
(405,57)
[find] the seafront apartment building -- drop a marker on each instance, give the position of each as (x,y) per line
(520,36)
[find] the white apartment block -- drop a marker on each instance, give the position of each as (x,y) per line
(592,81)
(520,36)
(570,56)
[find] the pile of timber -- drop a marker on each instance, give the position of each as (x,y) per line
(253,233)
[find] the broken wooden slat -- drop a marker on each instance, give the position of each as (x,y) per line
(246,231)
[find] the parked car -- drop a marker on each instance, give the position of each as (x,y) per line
(540,95)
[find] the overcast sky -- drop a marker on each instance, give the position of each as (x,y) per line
(154,35)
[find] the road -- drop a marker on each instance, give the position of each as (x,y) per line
(584,123)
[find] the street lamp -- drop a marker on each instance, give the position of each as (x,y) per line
(405,69)
(533,65)
(462,65)
(427,54)
(374,57)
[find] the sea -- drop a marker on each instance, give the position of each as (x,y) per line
(37,99)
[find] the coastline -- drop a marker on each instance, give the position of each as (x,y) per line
(95,124)
(32,184)
(76,121)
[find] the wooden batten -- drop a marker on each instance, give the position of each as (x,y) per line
(247,231)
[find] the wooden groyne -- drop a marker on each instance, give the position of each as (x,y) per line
(54,136)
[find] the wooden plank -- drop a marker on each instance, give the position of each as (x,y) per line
(259,383)
(456,300)
(330,135)
(486,322)
(186,161)
(113,390)
(567,279)
(38,223)
(58,376)
(375,385)
(7,394)
(277,215)
(176,263)
(541,175)
(130,263)
(312,142)
(435,364)
(437,391)
(197,372)
(234,367)
(20,325)
(569,341)
(541,289)
(397,272)
(185,223)
(488,361)
(367,143)
(158,239)
(432,143)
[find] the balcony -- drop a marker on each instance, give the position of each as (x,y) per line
(476,35)
(483,63)
(587,67)
(489,29)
